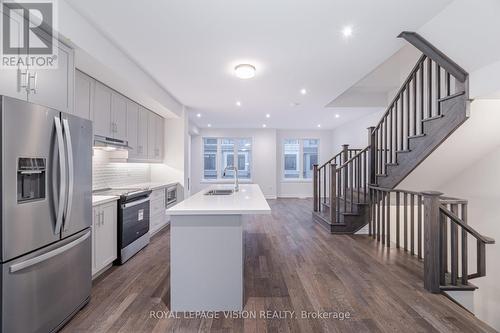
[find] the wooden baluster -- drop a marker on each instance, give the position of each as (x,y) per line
(414,103)
(351,186)
(447,85)
(324,184)
(432,240)
(319,190)
(396,130)
(419,226)
(401,124)
(407,141)
(412,224)
(379,206)
(429,87)
(454,247)
(465,270)
(383,218)
(315,187)
(421,81)
(333,199)
(397,219)
(443,249)
(405,220)
(391,134)
(381,150)
(345,186)
(339,192)
(385,145)
(438,89)
(388,228)
(481,258)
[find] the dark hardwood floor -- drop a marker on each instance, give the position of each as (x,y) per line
(291,264)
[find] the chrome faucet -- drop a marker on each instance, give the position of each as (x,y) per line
(236,182)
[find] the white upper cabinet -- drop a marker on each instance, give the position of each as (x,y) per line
(119,116)
(84,95)
(160,134)
(13,81)
(152,152)
(132,127)
(54,87)
(142,133)
(102,110)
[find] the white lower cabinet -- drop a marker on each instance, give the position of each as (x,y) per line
(158,217)
(104,236)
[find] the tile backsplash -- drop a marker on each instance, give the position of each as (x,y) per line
(106,173)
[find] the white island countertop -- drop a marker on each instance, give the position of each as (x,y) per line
(248,200)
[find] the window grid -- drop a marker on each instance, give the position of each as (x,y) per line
(299,155)
(221,152)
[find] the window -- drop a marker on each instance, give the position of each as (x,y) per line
(299,157)
(231,152)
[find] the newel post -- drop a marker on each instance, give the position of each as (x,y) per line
(432,240)
(333,187)
(371,159)
(315,187)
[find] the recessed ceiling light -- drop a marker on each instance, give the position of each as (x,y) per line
(303,91)
(337,116)
(347,31)
(209,125)
(264,125)
(238,103)
(319,125)
(268,115)
(198,115)
(245,71)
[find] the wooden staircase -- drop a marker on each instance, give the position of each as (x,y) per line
(356,187)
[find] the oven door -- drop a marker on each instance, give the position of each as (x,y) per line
(135,221)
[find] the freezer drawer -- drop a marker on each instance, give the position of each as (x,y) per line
(42,290)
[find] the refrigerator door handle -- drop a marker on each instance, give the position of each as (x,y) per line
(71,171)
(62,171)
(46,256)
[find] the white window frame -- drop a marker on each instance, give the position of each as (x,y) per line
(300,161)
(219,162)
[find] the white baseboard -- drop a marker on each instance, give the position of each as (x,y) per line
(295,196)
(271,197)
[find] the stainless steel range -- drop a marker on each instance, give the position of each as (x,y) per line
(133,220)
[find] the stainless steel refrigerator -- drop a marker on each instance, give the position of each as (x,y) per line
(46,213)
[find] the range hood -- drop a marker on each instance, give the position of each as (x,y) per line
(105,142)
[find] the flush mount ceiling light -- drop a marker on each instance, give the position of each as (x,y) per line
(303,91)
(198,115)
(244,71)
(347,31)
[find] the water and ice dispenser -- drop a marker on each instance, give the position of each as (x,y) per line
(30,179)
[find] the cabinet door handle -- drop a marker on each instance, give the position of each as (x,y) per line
(22,80)
(33,76)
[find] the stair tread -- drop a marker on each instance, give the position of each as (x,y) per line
(403,151)
(417,136)
(433,118)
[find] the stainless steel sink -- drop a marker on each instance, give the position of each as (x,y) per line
(219,192)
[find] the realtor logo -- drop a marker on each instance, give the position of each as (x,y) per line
(28,34)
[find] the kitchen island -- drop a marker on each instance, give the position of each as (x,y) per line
(207,250)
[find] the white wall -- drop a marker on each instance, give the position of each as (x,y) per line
(263,157)
(300,188)
(176,146)
(355,133)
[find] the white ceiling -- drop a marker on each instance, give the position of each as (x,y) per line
(191,47)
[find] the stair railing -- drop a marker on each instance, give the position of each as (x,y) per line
(352,179)
(324,180)
(432,227)
(418,100)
